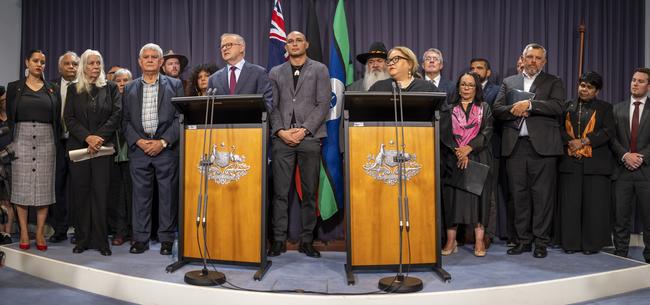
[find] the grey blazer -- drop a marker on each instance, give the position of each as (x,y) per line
(620,144)
(309,101)
(253,79)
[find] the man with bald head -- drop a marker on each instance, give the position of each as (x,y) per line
(301,98)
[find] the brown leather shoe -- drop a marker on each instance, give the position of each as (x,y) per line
(118,240)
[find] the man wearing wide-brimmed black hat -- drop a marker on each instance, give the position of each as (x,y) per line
(376,69)
(173,64)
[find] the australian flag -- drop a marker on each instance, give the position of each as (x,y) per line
(277,37)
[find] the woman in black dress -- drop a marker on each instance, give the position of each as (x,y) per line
(465,132)
(93,110)
(402,67)
(33,115)
(584,184)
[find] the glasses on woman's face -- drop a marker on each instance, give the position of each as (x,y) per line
(468,85)
(395,59)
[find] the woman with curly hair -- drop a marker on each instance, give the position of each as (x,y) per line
(198,83)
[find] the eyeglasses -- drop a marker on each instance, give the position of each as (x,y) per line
(431,59)
(229,45)
(467,85)
(395,59)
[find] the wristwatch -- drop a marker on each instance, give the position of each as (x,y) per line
(164,143)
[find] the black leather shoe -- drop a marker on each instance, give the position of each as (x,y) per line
(309,250)
(647,260)
(73,239)
(519,249)
(58,237)
(589,252)
(78,250)
(139,247)
(105,252)
(166,247)
(277,248)
(570,251)
(540,252)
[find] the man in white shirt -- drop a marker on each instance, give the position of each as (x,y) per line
(631,147)
(61,216)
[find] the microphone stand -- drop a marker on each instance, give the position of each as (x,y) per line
(400,283)
(205,277)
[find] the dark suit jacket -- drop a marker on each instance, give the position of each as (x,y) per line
(601,162)
(309,101)
(83,119)
(168,124)
(446,86)
(621,142)
(489,95)
(14,92)
(544,121)
(253,79)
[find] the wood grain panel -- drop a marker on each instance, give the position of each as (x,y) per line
(373,204)
(234,210)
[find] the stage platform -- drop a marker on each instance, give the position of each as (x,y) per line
(296,279)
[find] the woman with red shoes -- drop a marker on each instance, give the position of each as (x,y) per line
(34,116)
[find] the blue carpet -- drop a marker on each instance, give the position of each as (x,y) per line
(293,270)
(17,288)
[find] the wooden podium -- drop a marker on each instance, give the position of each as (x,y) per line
(236,214)
(371,203)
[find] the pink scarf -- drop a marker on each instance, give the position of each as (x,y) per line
(466,128)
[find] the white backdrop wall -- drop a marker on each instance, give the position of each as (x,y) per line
(10,25)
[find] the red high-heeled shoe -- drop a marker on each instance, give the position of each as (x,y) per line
(41,247)
(24,246)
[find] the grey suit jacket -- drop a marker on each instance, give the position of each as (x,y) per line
(253,79)
(620,144)
(309,101)
(544,121)
(357,85)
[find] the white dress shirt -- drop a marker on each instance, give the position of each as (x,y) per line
(632,100)
(238,66)
(528,82)
(436,80)
(64,93)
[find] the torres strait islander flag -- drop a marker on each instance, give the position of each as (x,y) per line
(330,190)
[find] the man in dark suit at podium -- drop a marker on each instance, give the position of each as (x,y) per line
(151,129)
(631,177)
(531,143)
(301,98)
(240,76)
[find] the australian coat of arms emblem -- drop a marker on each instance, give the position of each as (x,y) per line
(225,166)
(383,166)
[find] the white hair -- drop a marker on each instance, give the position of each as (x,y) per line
(152,46)
(239,38)
(533,46)
(73,54)
(434,50)
(82,83)
(123,71)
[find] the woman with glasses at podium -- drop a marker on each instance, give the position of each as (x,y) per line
(465,132)
(402,67)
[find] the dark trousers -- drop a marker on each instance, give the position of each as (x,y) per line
(532,180)
(626,187)
(119,203)
(307,154)
(584,203)
(90,181)
(163,171)
(61,214)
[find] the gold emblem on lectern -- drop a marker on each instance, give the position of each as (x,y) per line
(226,166)
(383,166)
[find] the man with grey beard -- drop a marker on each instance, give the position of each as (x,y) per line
(376,68)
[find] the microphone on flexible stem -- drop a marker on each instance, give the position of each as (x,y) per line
(205,277)
(400,283)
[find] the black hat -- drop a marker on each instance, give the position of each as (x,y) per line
(377,50)
(181,59)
